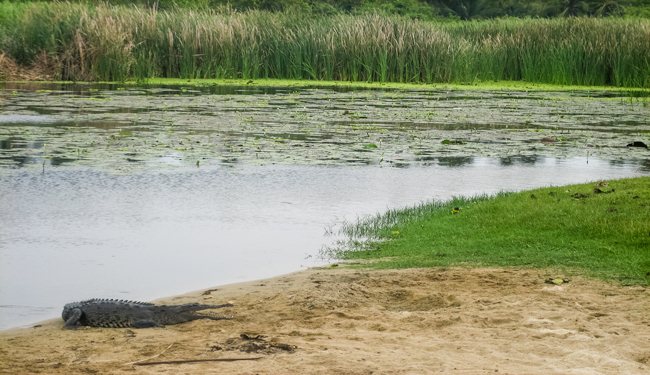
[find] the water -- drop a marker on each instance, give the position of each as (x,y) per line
(92,206)
(130,128)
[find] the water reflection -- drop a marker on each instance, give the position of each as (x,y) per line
(643,164)
(59,160)
(455,161)
(519,159)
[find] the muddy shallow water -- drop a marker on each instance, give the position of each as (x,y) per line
(140,192)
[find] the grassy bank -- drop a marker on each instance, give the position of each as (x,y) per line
(598,229)
(479,85)
(88,42)
(635,92)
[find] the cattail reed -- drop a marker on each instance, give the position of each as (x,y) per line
(104,42)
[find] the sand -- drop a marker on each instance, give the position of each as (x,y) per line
(350,321)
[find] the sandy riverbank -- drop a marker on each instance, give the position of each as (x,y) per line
(345,321)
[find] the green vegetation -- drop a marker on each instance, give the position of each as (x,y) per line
(599,229)
(480,86)
(80,41)
(420,9)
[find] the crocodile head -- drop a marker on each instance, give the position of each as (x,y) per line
(67,309)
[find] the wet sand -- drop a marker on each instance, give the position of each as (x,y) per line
(350,321)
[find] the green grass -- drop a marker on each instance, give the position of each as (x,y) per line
(569,228)
(106,42)
(478,85)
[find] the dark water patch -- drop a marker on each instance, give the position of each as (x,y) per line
(454,161)
(526,160)
(213,90)
(55,88)
(643,165)
(60,160)
(622,94)
(13,143)
(16,161)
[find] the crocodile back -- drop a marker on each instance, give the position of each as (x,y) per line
(112,313)
(109,313)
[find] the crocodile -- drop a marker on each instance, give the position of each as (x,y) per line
(114,313)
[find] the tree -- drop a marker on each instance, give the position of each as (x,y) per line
(573,8)
(603,8)
(466,9)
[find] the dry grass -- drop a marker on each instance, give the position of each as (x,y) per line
(43,68)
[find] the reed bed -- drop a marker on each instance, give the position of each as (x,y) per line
(104,42)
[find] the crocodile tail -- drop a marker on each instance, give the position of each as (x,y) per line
(199,306)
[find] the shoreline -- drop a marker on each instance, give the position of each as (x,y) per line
(357,321)
(360,85)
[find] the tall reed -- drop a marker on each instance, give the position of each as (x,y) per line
(103,42)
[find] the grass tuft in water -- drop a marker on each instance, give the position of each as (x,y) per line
(598,229)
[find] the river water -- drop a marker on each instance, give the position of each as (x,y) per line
(140,193)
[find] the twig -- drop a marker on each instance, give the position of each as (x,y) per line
(181,361)
(150,358)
